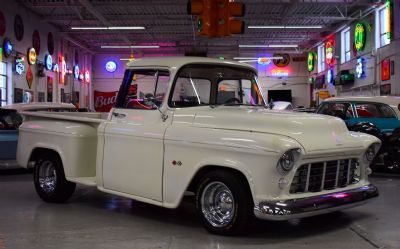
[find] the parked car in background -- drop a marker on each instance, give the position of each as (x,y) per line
(382,111)
(10,120)
(378,116)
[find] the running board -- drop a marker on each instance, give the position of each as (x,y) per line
(88,181)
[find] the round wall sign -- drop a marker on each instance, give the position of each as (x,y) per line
(111,66)
(50,43)
(32,56)
(76,72)
(359,36)
(48,62)
(29,77)
(18,27)
(310,61)
(330,52)
(2,24)
(36,41)
(281,62)
(8,47)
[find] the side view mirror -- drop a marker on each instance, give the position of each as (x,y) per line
(151,100)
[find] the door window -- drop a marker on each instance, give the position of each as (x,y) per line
(139,85)
(341,110)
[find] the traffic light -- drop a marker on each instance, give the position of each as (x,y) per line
(227,22)
(217,18)
(206,11)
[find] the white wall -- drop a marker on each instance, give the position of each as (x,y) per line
(61,47)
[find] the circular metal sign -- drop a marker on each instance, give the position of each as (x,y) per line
(18,27)
(281,62)
(48,62)
(2,24)
(8,47)
(111,66)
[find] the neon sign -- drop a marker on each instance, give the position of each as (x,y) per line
(330,52)
(76,72)
(360,71)
(56,68)
(81,76)
(329,76)
(48,62)
(8,47)
(311,61)
(19,65)
(111,66)
(263,61)
(87,76)
(280,72)
(359,36)
(32,56)
(63,69)
(389,20)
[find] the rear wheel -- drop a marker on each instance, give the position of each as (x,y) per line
(224,203)
(49,179)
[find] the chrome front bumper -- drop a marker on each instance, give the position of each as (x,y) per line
(9,164)
(315,205)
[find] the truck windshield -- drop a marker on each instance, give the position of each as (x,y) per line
(203,84)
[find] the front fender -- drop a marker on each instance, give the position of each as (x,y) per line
(188,150)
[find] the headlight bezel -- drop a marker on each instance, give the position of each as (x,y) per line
(287,161)
(371,152)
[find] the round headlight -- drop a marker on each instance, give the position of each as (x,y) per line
(287,161)
(370,153)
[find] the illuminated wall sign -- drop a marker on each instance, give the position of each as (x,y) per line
(56,68)
(19,65)
(32,56)
(111,66)
(311,61)
(360,68)
(48,62)
(63,69)
(280,72)
(263,61)
(330,52)
(87,76)
(81,77)
(385,70)
(329,76)
(359,36)
(8,47)
(76,72)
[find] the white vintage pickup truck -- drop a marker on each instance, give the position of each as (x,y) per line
(200,125)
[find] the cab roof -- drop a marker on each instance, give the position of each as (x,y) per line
(179,61)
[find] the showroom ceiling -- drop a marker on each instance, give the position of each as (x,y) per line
(168,25)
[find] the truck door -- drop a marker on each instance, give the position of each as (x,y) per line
(134,139)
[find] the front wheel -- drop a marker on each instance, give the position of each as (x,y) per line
(224,203)
(49,179)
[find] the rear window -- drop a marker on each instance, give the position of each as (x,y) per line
(374,110)
(9,119)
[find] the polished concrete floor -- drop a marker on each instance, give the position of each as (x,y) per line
(96,220)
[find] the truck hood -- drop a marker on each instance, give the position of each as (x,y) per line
(314,132)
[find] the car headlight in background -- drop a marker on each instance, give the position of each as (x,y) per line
(287,161)
(370,153)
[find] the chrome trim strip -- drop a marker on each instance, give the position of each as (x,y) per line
(348,172)
(323,176)
(308,178)
(337,173)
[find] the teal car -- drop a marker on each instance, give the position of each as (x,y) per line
(382,111)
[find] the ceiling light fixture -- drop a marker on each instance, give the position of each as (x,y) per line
(109,28)
(144,46)
(286,27)
(270,46)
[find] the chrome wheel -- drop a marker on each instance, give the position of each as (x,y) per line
(47,177)
(217,204)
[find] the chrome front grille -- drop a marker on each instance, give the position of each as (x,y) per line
(318,176)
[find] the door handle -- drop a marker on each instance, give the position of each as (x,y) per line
(118,115)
